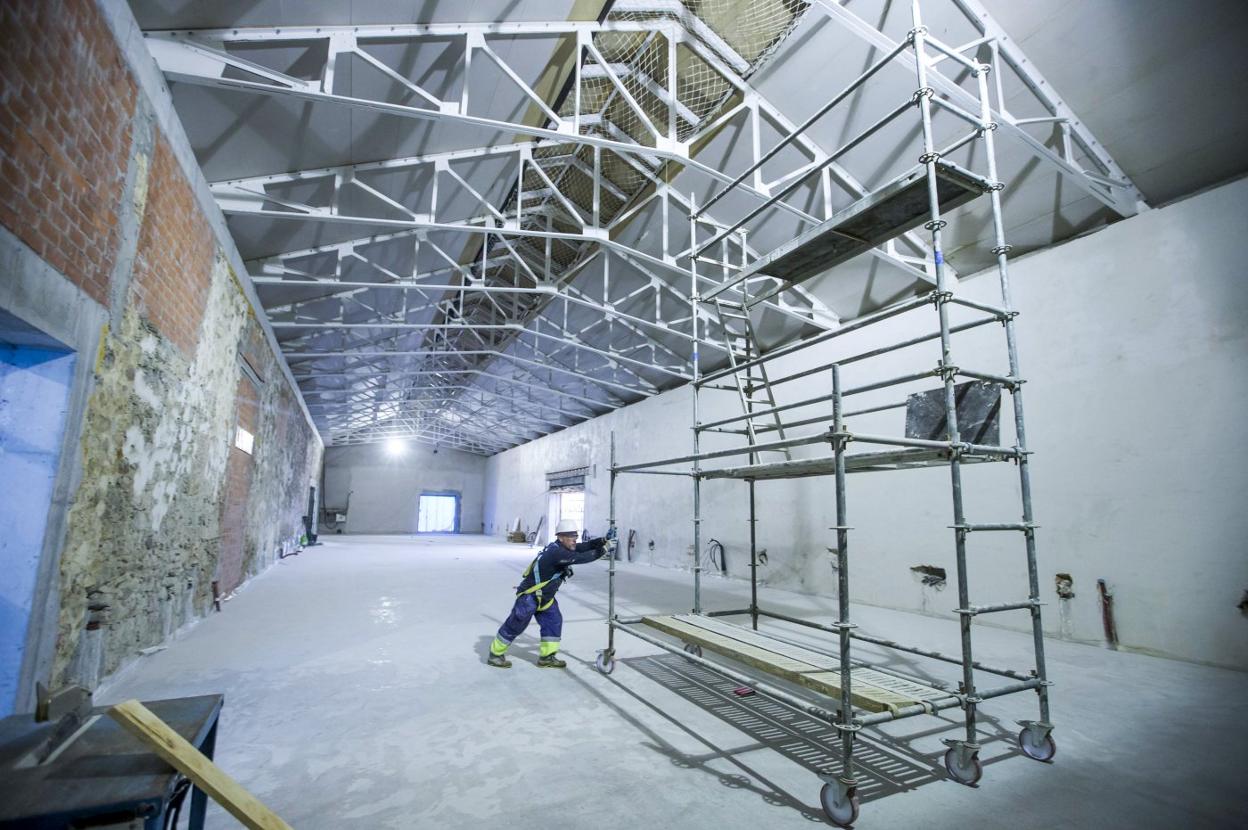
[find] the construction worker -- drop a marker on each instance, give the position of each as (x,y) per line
(535,595)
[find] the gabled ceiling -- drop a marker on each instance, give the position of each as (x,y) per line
(469,222)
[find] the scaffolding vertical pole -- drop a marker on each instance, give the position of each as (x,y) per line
(843,626)
(745,309)
(611,563)
(967,749)
(1001,250)
(697,478)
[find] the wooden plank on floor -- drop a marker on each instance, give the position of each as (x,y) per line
(204,774)
(759,658)
(757,638)
(762,655)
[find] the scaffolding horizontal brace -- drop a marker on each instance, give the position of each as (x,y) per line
(992,609)
(861,323)
(772,445)
(1022,526)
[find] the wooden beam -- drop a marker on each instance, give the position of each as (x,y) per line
(868,689)
(203,773)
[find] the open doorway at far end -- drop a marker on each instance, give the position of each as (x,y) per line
(566,504)
(438,513)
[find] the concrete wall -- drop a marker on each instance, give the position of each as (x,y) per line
(1132,341)
(111,242)
(385,489)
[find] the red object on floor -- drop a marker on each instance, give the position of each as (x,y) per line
(743,691)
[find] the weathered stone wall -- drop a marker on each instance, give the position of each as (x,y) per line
(91,183)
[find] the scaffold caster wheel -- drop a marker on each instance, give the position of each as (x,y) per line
(604,663)
(963,769)
(694,649)
(1042,750)
(841,808)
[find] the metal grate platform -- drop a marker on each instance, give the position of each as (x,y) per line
(881,215)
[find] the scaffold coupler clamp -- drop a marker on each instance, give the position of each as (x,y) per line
(921,93)
(946,371)
(939,298)
(839,439)
(915,32)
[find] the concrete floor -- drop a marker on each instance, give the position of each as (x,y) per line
(356,696)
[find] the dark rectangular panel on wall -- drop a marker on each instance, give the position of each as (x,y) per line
(978,406)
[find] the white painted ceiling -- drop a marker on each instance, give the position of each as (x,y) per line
(1155,83)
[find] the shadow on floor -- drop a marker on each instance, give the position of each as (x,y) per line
(884,764)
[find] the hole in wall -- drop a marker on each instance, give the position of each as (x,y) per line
(1065,585)
(1243,604)
(929,575)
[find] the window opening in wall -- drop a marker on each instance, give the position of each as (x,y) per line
(438,513)
(244,440)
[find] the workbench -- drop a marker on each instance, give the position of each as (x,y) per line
(101,775)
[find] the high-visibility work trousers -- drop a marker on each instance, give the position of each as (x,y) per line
(525,609)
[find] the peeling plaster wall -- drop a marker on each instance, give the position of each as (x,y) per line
(111,242)
(1132,341)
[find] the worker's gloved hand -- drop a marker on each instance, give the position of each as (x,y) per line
(611,546)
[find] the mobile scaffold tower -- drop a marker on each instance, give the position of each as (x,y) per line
(858,695)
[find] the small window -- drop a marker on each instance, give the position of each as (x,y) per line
(244,440)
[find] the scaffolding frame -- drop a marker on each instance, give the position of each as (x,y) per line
(747,369)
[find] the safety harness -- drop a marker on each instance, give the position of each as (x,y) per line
(539,583)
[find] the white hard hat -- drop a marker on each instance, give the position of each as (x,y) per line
(566,526)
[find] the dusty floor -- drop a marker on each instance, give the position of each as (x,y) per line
(356,696)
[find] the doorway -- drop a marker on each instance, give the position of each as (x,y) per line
(36,374)
(566,505)
(438,513)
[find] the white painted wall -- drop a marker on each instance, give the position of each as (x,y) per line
(385,490)
(1133,342)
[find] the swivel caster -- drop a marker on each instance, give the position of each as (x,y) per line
(694,649)
(963,765)
(839,803)
(605,663)
(1036,741)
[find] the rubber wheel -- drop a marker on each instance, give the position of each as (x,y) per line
(604,664)
(968,775)
(694,649)
(1043,751)
(843,814)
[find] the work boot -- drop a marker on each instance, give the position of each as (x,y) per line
(499,661)
(551,661)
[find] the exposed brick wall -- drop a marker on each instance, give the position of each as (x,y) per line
(238,473)
(91,182)
(66,104)
(173,264)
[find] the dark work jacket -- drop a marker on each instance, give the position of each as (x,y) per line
(554,564)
